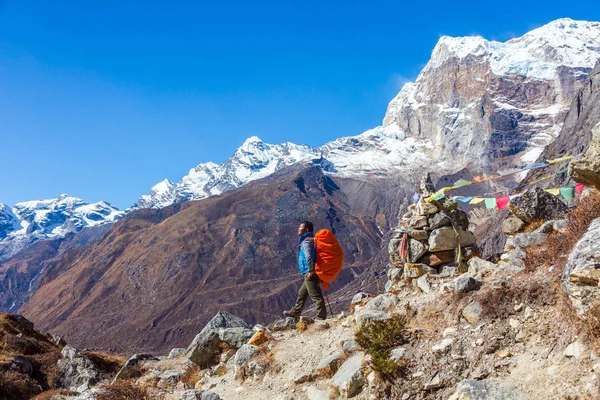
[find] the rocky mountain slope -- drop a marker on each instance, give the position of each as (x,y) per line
(477,103)
(158,275)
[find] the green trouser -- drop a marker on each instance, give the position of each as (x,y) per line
(311,287)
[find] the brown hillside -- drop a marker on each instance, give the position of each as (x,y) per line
(158,276)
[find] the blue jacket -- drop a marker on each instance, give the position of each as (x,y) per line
(306,253)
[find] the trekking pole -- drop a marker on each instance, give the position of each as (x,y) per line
(330,309)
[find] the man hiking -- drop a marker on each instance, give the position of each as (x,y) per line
(306,264)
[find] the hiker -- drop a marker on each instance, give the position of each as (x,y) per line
(306,264)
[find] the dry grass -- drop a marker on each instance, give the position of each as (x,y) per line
(191,376)
(123,390)
(107,363)
(558,245)
(533,225)
(17,386)
(378,338)
(52,394)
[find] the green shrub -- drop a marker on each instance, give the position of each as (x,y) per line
(378,338)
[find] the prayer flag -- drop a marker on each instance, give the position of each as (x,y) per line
(556,160)
(502,202)
(579,187)
(535,165)
(562,171)
(567,192)
(476,200)
(490,202)
(554,191)
(461,182)
(465,199)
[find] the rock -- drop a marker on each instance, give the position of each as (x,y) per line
(504,354)
(561,225)
(322,325)
(413,271)
(75,370)
(21,365)
(438,258)
(416,250)
(529,313)
(529,239)
(445,239)
(449,332)
(397,353)
(394,253)
(314,393)
(330,364)
(537,205)
(479,268)
(443,347)
(176,352)
(460,217)
(223,327)
(472,312)
(349,346)
(225,356)
(581,275)
(512,225)
(258,339)
(426,186)
(243,355)
(349,378)
(484,390)
(368,316)
(169,379)
(423,284)
(220,369)
(418,234)
(285,324)
(360,296)
(546,227)
(418,222)
(426,208)
(196,394)
(382,303)
(575,350)
(439,220)
(448,270)
(133,367)
(434,383)
(466,283)
(586,169)
(207,395)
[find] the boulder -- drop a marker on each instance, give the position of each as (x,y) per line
(243,355)
(133,367)
(394,275)
(423,284)
(439,220)
(479,268)
(586,169)
(330,364)
(349,346)
(418,234)
(581,274)
(360,296)
(416,250)
(418,222)
(285,324)
(466,283)
(529,239)
(349,378)
(414,271)
(438,258)
(426,208)
(258,338)
(176,352)
(197,394)
(397,353)
(75,370)
(460,217)
(223,327)
(512,225)
(393,251)
(445,239)
(485,390)
(472,312)
(366,316)
(537,205)
(169,378)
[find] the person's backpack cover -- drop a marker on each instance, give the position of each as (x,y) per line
(329,258)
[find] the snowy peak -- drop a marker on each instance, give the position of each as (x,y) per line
(537,54)
(8,221)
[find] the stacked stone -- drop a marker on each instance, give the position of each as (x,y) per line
(431,241)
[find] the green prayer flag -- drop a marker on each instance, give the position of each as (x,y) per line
(490,202)
(438,196)
(461,183)
(567,192)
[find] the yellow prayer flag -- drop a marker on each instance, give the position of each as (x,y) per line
(559,159)
(476,200)
(554,191)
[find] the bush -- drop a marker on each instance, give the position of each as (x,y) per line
(123,390)
(378,338)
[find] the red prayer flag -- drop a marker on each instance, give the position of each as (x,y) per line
(579,187)
(502,202)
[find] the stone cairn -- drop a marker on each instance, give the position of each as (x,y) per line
(432,238)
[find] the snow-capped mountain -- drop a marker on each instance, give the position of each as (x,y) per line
(30,221)
(477,103)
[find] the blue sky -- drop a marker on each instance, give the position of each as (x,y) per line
(104,99)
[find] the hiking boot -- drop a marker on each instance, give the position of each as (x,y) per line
(290,313)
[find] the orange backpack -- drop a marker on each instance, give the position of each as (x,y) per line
(330,257)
